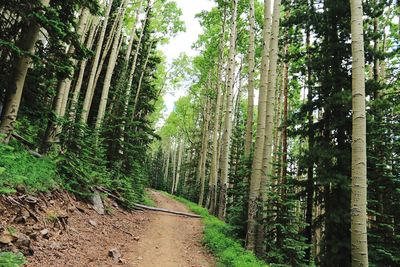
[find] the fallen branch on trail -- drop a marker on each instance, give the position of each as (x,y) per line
(168,211)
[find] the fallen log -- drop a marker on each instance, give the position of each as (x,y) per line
(168,211)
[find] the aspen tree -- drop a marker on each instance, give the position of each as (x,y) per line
(179,165)
(212,195)
(204,148)
(359,243)
(82,68)
(110,69)
(90,87)
(269,124)
(254,192)
(29,37)
(250,97)
(226,142)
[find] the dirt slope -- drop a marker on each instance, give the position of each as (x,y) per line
(58,230)
(170,240)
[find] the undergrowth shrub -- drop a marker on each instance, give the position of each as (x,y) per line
(19,168)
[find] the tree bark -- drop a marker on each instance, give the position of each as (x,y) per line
(226,142)
(212,195)
(269,125)
(359,243)
(82,68)
(250,98)
(110,69)
(254,192)
(30,35)
(204,148)
(90,87)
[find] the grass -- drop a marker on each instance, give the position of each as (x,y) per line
(217,237)
(18,168)
(9,259)
(147,200)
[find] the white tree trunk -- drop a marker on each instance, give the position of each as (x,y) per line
(226,143)
(359,243)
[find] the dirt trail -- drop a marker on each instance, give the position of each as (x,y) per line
(170,240)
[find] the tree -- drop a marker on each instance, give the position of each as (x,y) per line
(26,44)
(359,242)
(226,142)
(260,134)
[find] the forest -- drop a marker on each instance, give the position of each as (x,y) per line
(288,130)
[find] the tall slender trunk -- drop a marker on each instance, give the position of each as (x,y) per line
(250,98)
(204,148)
(110,69)
(174,151)
(166,171)
(269,125)
(254,192)
(82,68)
(310,167)
(212,195)
(90,87)
(29,36)
(226,143)
(359,243)
(179,164)
(139,87)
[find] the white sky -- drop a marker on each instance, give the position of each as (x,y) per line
(183,42)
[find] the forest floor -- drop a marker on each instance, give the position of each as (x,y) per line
(59,230)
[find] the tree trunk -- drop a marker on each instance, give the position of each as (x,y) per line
(216,131)
(226,143)
(204,148)
(29,36)
(139,87)
(310,168)
(110,69)
(166,171)
(82,68)
(90,87)
(250,98)
(178,168)
(269,125)
(260,134)
(359,244)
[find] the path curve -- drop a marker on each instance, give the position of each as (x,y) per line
(171,240)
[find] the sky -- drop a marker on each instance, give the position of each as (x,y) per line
(182,43)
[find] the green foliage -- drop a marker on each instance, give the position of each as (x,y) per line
(19,168)
(218,238)
(9,259)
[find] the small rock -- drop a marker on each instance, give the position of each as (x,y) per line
(93,223)
(22,240)
(52,202)
(44,233)
(6,238)
(32,200)
(97,203)
(115,254)
(136,238)
(140,258)
(122,261)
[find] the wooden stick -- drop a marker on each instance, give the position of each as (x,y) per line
(168,211)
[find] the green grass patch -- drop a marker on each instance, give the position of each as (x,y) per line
(217,237)
(147,200)
(19,168)
(9,259)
